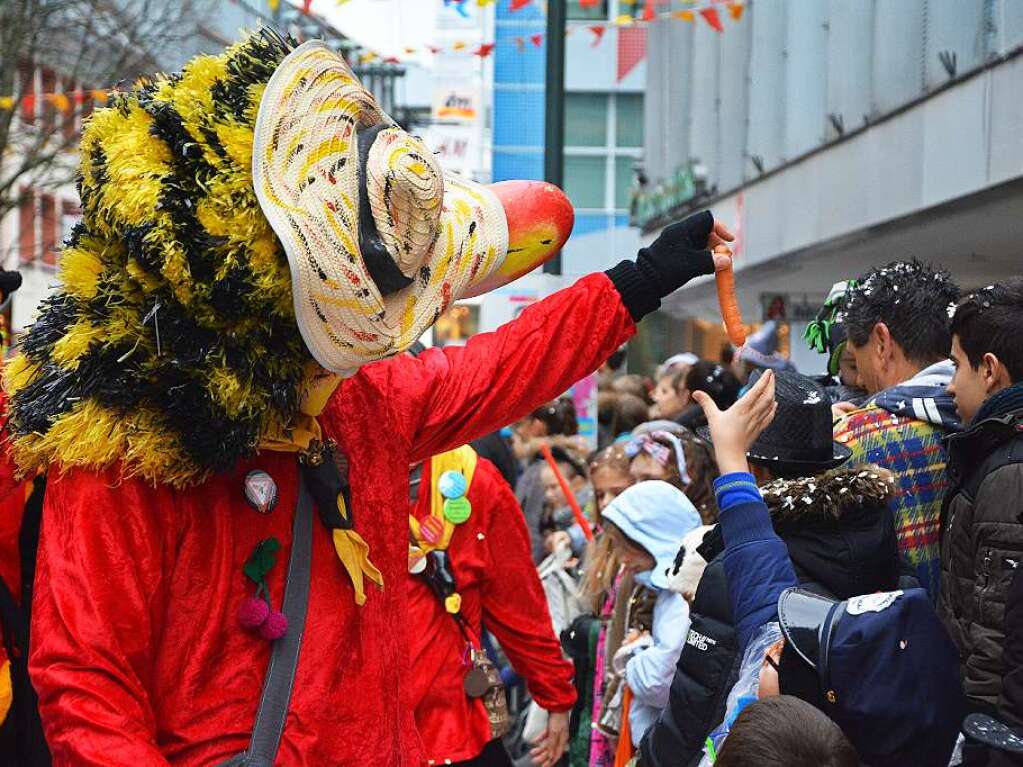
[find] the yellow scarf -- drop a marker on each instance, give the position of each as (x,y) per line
(461,459)
(351,549)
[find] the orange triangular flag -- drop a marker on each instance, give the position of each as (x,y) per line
(735,10)
(684,15)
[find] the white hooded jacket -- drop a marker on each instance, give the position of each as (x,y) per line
(655,516)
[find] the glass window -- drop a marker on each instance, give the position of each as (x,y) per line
(584,181)
(629,119)
(623,181)
(585,119)
(586,10)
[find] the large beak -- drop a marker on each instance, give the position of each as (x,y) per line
(540,219)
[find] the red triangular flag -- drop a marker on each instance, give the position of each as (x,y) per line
(515,5)
(433,49)
(712,18)
(598,34)
(392,60)
(484,50)
(587,3)
(648,11)
(537,40)
(736,9)
(631,49)
(305,6)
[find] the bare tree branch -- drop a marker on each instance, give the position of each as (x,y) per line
(90,44)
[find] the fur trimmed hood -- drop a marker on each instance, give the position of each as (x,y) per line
(828,496)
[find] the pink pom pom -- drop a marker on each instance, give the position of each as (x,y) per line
(253,612)
(275,627)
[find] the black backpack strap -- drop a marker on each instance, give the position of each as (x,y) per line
(280,675)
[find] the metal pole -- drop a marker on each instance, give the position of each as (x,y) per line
(554,125)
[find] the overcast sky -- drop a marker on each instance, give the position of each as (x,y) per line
(385,26)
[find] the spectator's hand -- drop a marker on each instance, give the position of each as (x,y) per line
(558,540)
(735,429)
(682,252)
(841,409)
(553,742)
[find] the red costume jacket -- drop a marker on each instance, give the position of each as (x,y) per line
(491,560)
(137,654)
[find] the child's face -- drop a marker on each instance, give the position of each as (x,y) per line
(645,467)
(668,403)
(608,484)
(634,559)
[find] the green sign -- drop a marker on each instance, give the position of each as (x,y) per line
(668,195)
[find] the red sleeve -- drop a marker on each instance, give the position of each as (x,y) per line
(448,397)
(99,599)
(513,600)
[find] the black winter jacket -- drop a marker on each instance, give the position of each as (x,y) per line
(841,540)
(981,548)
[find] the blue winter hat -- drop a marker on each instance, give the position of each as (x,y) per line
(888,671)
(656,516)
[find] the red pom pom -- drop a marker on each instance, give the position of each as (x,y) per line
(275,626)
(253,612)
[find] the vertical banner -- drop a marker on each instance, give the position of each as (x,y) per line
(584,395)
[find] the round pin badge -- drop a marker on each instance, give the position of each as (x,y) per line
(261,491)
(416,560)
(453,603)
(476,683)
(432,530)
(452,484)
(457,510)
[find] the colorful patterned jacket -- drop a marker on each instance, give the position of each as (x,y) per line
(901,429)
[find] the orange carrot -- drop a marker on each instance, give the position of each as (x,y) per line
(725,279)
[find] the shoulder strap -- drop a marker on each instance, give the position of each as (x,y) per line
(280,676)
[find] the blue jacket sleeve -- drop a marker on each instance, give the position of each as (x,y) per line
(756,561)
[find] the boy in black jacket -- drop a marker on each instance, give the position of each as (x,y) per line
(982,534)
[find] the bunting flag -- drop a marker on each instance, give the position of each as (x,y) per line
(483,3)
(305,6)
(735,11)
(684,15)
(711,16)
(536,40)
(515,5)
(274,5)
(598,33)
(649,14)
(587,3)
(631,50)
(484,50)
(61,101)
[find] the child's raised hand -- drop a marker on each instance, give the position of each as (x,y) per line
(733,431)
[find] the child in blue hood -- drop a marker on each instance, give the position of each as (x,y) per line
(646,524)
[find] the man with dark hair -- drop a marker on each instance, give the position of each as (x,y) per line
(982,544)
(784,731)
(897,322)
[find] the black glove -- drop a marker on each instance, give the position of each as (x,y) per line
(9,282)
(678,255)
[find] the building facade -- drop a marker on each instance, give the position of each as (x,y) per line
(833,136)
(605,72)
